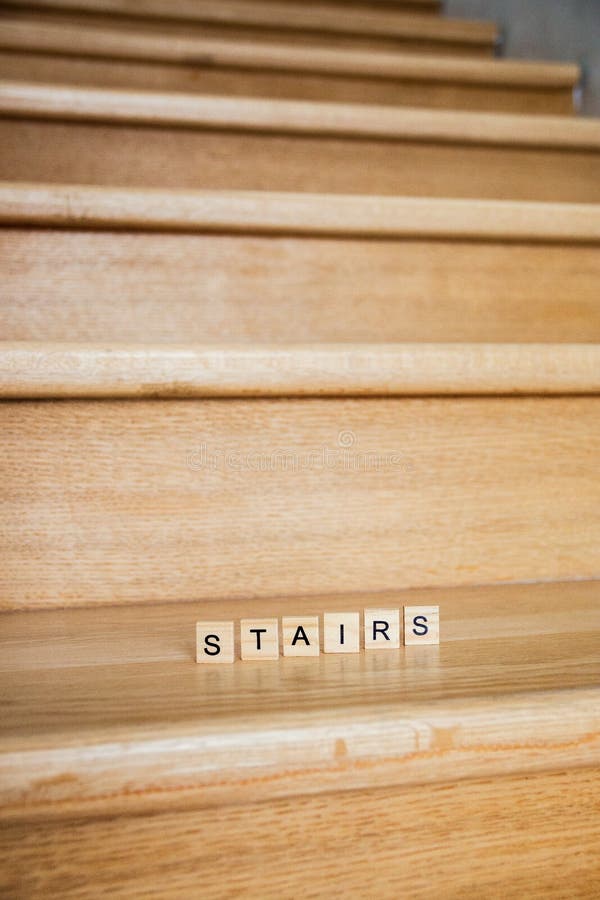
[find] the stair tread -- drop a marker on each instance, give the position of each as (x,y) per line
(106,705)
(76,370)
(144,107)
(354,63)
(273,212)
(291,17)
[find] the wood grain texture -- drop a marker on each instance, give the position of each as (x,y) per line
(272,213)
(192,159)
(284,17)
(439,270)
(283,58)
(34,370)
(131,286)
(320,74)
(266,115)
(43,31)
(118,501)
(280,57)
(106,712)
(520,836)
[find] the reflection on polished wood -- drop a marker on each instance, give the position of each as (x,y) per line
(106,710)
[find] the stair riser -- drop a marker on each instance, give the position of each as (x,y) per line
(138,501)
(286,85)
(154,287)
(37,150)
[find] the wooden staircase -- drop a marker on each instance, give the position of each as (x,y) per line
(299,312)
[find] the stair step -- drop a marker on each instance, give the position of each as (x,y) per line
(55,133)
(295,25)
(181,266)
(523,835)
(174,473)
(105,712)
(106,57)
(378,28)
(47,370)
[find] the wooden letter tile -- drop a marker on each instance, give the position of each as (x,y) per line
(259,638)
(421,625)
(214,642)
(300,635)
(341,632)
(382,629)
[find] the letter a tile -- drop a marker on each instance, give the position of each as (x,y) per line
(300,635)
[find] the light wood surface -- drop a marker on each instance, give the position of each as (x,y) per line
(21,99)
(285,70)
(128,769)
(117,501)
(285,17)
(516,836)
(281,57)
(507,73)
(260,83)
(34,370)
(128,285)
(436,270)
(245,461)
(256,212)
(37,146)
(106,711)
(43,30)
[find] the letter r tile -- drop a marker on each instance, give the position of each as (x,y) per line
(382,629)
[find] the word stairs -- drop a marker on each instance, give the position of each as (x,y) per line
(259,639)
